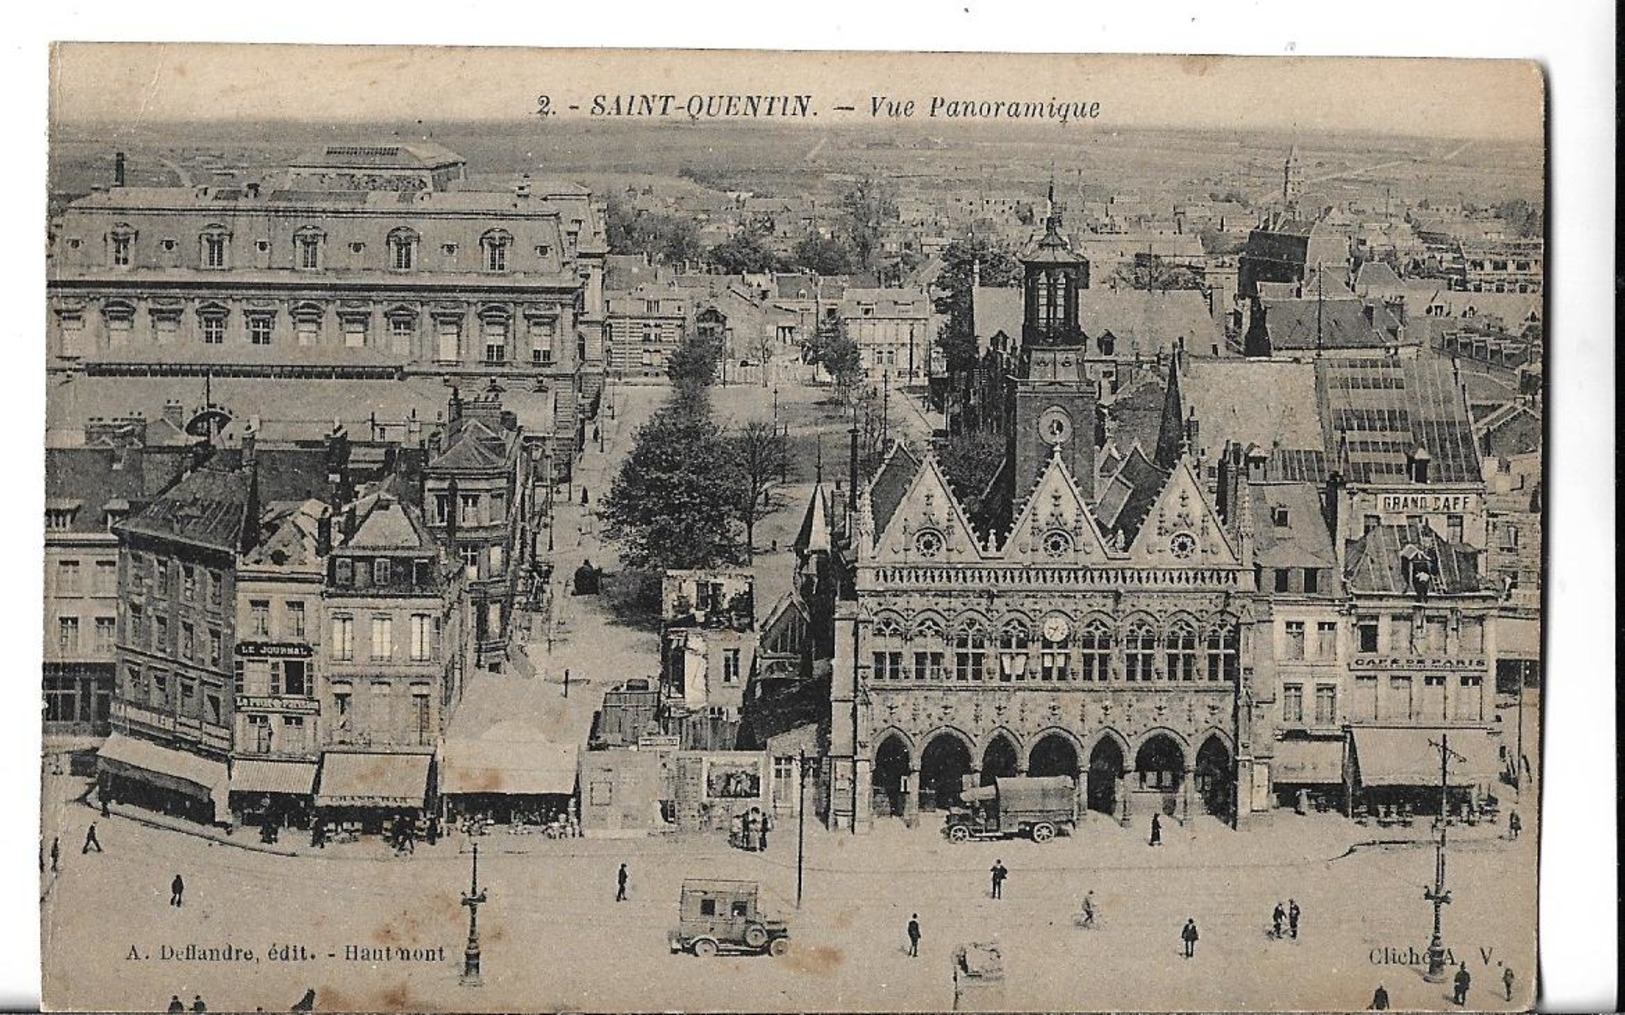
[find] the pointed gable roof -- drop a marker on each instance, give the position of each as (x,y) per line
(928,503)
(891,482)
(1128,495)
(814,535)
(1056,504)
(1182,508)
(475,446)
(209,507)
(389,526)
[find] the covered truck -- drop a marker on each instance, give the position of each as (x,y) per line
(1035,806)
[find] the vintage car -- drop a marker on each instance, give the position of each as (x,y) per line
(1037,806)
(723,915)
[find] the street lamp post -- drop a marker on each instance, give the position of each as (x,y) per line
(1439,895)
(473,898)
(801,818)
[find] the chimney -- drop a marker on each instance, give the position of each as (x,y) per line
(1331,507)
(1370,314)
(118,169)
(521,190)
(1419,462)
(250,441)
(254,189)
(1257,463)
(175,413)
(324,534)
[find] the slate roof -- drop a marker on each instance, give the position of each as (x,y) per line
(1329,324)
(1376,561)
(387,155)
(814,534)
(288,534)
(93,479)
(1304,540)
(1296,465)
(284,474)
(890,484)
(1375,274)
(207,507)
(1253,401)
(1137,413)
(1136,485)
(475,447)
(389,526)
(1379,410)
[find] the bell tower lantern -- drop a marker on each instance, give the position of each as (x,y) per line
(1054,276)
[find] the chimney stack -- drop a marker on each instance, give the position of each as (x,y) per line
(118,169)
(175,413)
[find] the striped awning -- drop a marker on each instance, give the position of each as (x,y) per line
(353,779)
(166,767)
(1410,756)
(1308,762)
(254,776)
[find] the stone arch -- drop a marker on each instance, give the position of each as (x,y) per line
(1001,756)
(1107,760)
(1215,771)
(946,757)
(889,777)
(1161,760)
(1055,751)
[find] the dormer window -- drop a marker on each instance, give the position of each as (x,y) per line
(1280,517)
(121,242)
(403,249)
(214,241)
(307,244)
(495,245)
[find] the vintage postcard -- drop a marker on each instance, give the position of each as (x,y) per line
(583,530)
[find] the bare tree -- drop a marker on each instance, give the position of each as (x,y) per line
(759,458)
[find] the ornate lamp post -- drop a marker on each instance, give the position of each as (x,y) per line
(1439,895)
(473,899)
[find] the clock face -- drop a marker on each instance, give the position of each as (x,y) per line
(1056,628)
(1182,545)
(1054,425)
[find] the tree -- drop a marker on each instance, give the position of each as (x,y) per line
(869,204)
(822,256)
(996,266)
(837,352)
(758,457)
(741,254)
(693,365)
(969,459)
(666,238)
(1156,274)
(674,502)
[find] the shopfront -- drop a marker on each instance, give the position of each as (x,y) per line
(510,782)
(1309,774)
(367,793)
(1415,768)
(163,779)
(272,793)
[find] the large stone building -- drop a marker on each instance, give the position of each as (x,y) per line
(1104,633)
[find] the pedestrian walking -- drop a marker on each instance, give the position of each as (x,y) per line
(1276,918)
(620,884)
(1189,936)
(914,941)
(1156,830)
(197,1003)
(56,853)
(177,888)
(1089,908)
(1506,981)
(1464,980)
(175,1003)
(1379,1000)
(1292,912)
(318,833)
(999,872)
(91,842)
(762,835)
(1514,825)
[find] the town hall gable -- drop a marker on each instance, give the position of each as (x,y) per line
(1182,529)
(929,524)
(1054,525)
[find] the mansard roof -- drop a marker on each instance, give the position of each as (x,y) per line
(1376,561)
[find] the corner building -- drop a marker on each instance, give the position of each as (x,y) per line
(1107,637)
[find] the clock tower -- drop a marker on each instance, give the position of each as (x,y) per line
(1052,400)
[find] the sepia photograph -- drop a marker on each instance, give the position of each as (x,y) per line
(627,530)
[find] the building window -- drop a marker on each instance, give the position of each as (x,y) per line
(106,628)
(1311,580)
(970,652)
(343,638)
(293,678)
(122,241)
(471,561)
(1013,644)
(259,329)
(1326,640)
(1365,629)
(1453,527)
(188,583)
(1096,649)
(380,571)
(421,643)
(214,648)
(307,245)
(1139,652)
(496,342)
(259,734)
(188,639)
(1283,579)
(1292,703)
(1399,632)
(928,665)
(403,246)
(1325,704)
(160,635)
(1470,697)
(730,665)
(67,577)
(1472,635)
(420,718)
(294,612)
(344,572)
(1054,657)
(341,703)
(383,639)
(259,618)
(138,634)
(1435,627)
(67,634)
(1224,653)
(495,246)
(1294,648)
(355,332)
(213,327)
(1181,652)
(402,331)
(214,247)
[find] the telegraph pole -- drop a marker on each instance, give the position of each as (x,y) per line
(473,898)
(801,818)
(1439,895)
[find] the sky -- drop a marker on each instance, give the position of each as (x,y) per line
(99,82)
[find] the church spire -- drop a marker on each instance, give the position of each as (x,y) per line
(1171,433)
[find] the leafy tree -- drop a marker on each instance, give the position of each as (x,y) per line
(869,205)
(758,458)
(674,502)
(822,256)
(741,254)
(693,365)
(996,265)
(1156,274)
(969,459)
(837,352)
(666,238)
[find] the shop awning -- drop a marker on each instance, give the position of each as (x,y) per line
(1308,762)
(373,780)
(1409,756)
(166,767)
(511,768)
(296,777)
(1517,637)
